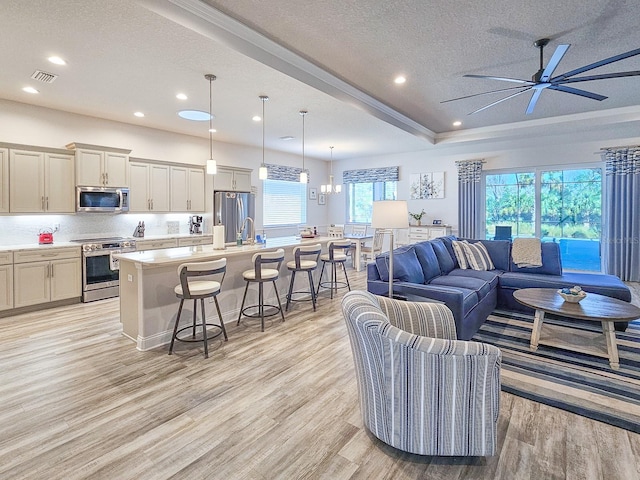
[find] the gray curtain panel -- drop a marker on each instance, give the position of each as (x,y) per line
(469,197)
(622,205)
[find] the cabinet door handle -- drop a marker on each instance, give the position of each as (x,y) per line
(152,204)
(47,203)
(51,265)
(42,203)
(106,176)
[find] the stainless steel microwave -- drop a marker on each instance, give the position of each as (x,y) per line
(102,199)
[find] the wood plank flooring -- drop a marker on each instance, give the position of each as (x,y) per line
(77,401)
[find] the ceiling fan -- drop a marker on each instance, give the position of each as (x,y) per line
(542,79)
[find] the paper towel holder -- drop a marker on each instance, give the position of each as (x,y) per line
(219,245)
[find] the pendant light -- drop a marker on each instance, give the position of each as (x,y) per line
(330,187)
(303,174)
(212,167)
(262,171)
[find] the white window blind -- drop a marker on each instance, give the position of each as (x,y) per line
(285,203)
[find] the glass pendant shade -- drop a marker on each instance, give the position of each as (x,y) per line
(303,177)
(263,173)
(212,167)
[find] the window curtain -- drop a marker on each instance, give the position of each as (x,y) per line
(469,172)
(622,205)
(285,173)
(371,175)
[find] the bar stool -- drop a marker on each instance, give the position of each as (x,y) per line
(261,275)
(337,255)
(199,290)
(299,264)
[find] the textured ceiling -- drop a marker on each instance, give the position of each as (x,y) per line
(126,56)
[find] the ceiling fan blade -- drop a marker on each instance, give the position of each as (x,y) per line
(485,93)
(591,66)
(533,101)
(502,79)
(604,76)
(501,100)
(553,63)
(575,91)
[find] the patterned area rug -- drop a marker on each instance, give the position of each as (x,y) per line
(577,382)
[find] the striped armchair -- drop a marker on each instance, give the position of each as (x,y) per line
(421,390)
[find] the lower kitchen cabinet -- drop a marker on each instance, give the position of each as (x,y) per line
(156,244)
(6,287)
(54,275)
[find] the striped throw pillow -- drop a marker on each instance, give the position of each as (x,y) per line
(477,256)
(459,252)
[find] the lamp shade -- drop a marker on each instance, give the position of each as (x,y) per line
(390,214)
(212,167)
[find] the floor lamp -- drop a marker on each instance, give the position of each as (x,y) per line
(387,215)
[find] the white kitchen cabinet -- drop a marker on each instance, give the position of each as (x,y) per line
(6,280)
(41,181)
(149,190)
(156,244)
(98,166)
(427,232)
(234,179)
(42,276)
(187,189)
(192,241)
(4,179)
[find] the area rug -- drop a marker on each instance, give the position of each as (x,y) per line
(576,382)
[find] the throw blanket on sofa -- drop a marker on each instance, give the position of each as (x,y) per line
(527,252)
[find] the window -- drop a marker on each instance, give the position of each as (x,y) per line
(284,203)
(360,198)
(563,206)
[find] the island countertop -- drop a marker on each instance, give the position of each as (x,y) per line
(178,255)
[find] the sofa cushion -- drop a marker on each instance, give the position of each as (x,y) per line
(428,260)
(499,251)
(444,259)
(458,251)
(481,287)
(406,267)
(477,256)
(551,262)
(448,242)
(491,277)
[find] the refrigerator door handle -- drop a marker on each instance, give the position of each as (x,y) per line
(239,219)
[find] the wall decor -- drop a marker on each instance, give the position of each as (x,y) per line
(322,199)
(426,185)
(313,193)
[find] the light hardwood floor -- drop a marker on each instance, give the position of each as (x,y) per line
(78,401)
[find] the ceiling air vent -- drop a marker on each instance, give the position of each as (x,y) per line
(44,77)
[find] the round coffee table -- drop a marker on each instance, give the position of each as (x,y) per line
(599,308)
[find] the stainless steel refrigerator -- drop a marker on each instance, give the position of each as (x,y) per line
(230,209)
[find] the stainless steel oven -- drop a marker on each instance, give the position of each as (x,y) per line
(100,271)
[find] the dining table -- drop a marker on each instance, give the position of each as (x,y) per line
(358,240)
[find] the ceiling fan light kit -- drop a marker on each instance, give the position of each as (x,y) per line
(543,78)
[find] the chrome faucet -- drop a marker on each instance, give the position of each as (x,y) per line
(251,233)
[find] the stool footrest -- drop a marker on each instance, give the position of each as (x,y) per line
(199,337)
(275,308)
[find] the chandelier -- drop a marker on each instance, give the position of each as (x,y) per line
(331,187)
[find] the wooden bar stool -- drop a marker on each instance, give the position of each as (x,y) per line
(199,290)
(337,256)
(258,274)
(305,260)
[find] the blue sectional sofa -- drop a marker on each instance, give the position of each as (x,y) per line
(430,270)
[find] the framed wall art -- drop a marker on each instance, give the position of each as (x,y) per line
(426,185)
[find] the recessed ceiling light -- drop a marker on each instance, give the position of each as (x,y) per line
(57,60)
(400,79)
(195,115)
(139,114)
(457,123)
(256,118)
(181,96)
(286,138)
(30,90)
(213,130)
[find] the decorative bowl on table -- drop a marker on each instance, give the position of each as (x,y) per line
(572,295)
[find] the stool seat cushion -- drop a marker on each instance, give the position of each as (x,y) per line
(267,274)
(200,287)
(337,257)
(304,265)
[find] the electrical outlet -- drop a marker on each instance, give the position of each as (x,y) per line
(56,228)
(130,278)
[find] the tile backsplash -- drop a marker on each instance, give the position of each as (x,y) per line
(24,229)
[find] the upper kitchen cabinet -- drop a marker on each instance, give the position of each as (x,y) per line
(4,180)
(149,187)
(41,181)
(234,179)
(187,189)
(98,166)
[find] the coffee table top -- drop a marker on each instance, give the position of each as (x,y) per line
(593,307)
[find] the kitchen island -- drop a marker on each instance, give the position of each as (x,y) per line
(148,304)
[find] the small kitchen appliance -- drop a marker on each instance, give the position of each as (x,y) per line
(45,236)
(195,224)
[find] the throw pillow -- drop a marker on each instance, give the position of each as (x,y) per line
(478,256)
(459,252)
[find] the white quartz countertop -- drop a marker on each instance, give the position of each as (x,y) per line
(177,255)
(37,246)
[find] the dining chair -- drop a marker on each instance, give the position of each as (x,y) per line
(369,252)
(335,231)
